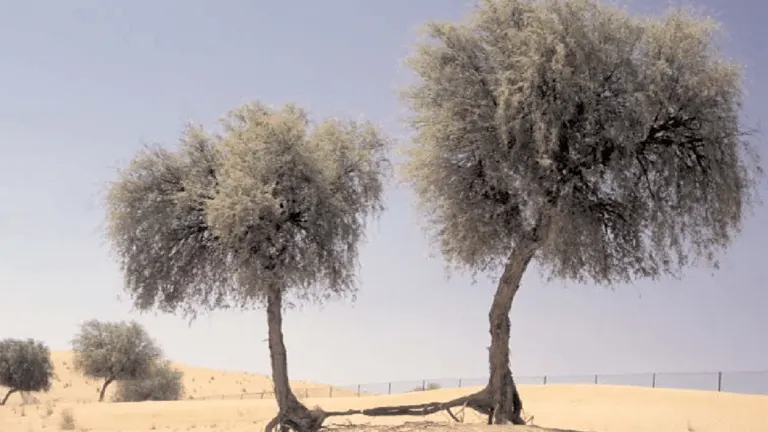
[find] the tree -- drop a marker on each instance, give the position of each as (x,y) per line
(25,366)
(601,146)
(114,351)
(272,207)
(163,382)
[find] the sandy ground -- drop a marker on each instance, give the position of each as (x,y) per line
(578,408)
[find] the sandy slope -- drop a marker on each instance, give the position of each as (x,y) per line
(568,407)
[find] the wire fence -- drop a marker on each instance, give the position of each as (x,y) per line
(745,382)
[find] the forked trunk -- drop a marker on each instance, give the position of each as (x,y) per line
(7,395)
(104,386)
(292,413)
(506,402)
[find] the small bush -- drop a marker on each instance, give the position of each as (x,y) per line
(429,386)
(162,383)
(67,420)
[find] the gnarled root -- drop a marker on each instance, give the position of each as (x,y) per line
(297,418)
(483,402)
(513,409)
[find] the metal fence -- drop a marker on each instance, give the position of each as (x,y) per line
(746,382)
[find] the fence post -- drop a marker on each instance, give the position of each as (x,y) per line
(653,380)
(545,380)
(424,385)
(358,390)
(306,392)
(389,388)
(330,391)
(459,382)
(595,378)
(719,381)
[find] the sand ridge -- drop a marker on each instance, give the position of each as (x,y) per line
(578,408)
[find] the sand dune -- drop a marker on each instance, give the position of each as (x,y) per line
(559,407)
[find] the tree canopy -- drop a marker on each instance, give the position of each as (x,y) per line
(114,351)
(25,365)
(273,200)
(613,140)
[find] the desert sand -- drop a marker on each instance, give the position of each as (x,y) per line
(553,407)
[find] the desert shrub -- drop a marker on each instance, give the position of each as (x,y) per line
(162,383)
(67,421)
(25,365)
(427,387)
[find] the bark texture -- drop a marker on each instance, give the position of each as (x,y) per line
(292,414)
(507,405)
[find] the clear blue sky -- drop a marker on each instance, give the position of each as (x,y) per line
(84,83)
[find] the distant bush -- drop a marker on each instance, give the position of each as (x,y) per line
(427,387)
(25,366)
(162,383)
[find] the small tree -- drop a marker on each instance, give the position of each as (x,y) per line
(163,382)
(273,206)
(601,146)
(114,351)
(25,366)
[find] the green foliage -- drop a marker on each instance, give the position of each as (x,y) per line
(162,383)
(114,350)
(609,143)
(272,202)
(25,365)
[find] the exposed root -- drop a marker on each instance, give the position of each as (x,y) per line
(405,427)
(456,419)
(480,402)
(297,419)
(301,419)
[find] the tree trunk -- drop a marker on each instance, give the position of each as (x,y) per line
(292,413)
(7,395)
(107,382)
(505,399)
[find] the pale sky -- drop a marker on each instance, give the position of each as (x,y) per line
(83,84)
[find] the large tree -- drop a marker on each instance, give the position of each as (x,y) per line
(270,209)
(114,351)
(25,366)
(601,146)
